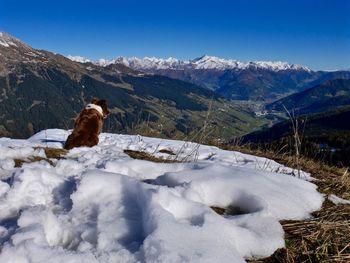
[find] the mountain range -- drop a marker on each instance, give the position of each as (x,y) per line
(204,62)
(264,81)
(40,89)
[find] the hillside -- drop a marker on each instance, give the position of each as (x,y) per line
(44,90)
(325,135)
(326,96)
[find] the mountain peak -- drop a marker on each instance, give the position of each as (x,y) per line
(203,57)
(6,40)
(78,59)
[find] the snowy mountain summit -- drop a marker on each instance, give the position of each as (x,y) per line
(204,62)
(100,205)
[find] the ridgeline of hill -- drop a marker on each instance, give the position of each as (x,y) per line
(326,96)
(324,135)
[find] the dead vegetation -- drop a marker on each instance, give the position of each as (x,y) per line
(32,159)
(231,210)
(55,153)
(167,151)
(218,210)
(325,238)
(51,153)
(148,157)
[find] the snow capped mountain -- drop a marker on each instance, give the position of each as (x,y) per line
(204,62)
(78,59)
(151,63)
(8,42)
(14,51)
(211,62)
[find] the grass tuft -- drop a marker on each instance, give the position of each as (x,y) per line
(55,153)
(148,157)
(166,151)
(31,159)
(51,153)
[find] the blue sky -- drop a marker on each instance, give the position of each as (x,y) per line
(315,33)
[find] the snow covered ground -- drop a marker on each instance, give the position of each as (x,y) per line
(100,205)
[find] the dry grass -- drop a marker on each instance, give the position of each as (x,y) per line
(148,157)
(231,210)
(51,153)
(32,159)
(218,210)
(167,151)
(325,238)
(55,153)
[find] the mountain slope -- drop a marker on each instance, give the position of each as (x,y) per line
(316,124)
(328,95)
(43,90)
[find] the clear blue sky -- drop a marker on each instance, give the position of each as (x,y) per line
(315,33)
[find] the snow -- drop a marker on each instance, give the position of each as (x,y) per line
(78,59)
(6,40)
(337,200)
(100,205)
(3,43)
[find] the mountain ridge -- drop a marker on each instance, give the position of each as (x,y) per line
(326,96)
(203,62)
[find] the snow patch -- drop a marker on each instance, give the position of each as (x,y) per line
(6,40)
(337,200)
(78,59)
